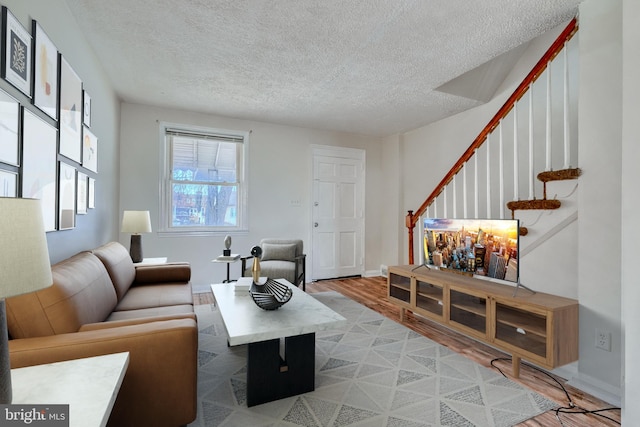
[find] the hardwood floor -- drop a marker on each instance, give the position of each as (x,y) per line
(372,292)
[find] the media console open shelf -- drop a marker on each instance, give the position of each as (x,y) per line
(541,328)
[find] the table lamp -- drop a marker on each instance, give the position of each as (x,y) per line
(24,267)
(136,222)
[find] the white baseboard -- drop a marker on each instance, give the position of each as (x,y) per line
(372,273)
(597,388)
(200,288)
(567,371)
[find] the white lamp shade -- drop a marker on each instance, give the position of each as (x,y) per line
(136,222)
(24,256)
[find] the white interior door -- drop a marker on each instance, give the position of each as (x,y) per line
(338,213)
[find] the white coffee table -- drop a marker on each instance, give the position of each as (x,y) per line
(270,376)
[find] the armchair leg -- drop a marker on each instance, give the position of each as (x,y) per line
(304,277)
(301,277)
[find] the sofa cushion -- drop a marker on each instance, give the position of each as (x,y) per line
(278,251)
(171,272)
(81,293)
(280,270)
(151,312)
(118,263)
(147,296)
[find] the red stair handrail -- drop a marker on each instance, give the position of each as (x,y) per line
(555,48)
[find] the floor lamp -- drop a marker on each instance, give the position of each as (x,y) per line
(136,222)
(25,267)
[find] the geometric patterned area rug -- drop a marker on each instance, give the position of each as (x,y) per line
(372,372)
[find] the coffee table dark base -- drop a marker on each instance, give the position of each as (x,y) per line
(270,377)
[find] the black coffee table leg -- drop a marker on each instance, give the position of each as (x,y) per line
(269,377)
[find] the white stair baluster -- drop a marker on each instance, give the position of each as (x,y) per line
(567,152)
(488,142)
(531,162)
(516,166)
(475,184)
(455,198)
(501,167)
(464,191)
(548,129)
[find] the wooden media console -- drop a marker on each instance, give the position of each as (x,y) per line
(538,327)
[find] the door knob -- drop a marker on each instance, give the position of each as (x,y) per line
(315,224)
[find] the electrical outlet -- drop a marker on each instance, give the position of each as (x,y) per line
(603,340)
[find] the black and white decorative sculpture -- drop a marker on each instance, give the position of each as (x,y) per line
(227,246)
(256,251)
(271,294)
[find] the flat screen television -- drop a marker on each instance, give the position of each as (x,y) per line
(480,247)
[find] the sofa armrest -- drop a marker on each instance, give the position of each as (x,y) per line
(160,385)
(128,322)
(175,272)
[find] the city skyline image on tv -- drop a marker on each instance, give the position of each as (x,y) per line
(480,247)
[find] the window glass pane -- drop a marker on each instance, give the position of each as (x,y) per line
(204,160)
(204,205)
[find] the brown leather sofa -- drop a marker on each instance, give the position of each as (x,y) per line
(100,303)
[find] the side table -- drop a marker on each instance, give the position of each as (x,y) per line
(89,386)
(228,259)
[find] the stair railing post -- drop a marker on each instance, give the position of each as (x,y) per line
(409,222)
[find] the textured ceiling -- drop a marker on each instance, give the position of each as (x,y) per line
(364,66)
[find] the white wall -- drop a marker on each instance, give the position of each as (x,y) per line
(599,198)
(394,231)
(100,224)
(630,208)
(279,171)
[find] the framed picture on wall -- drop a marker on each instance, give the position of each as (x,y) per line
(45,86)
(91,203)
(66,197)
(9,122)
(70,112)
(16,52)
(89,150)
(82,194)
(8,183)
(86,111)
(39,165)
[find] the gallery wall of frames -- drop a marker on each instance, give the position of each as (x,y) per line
(48,152)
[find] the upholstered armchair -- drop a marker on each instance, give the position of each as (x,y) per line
(281,259)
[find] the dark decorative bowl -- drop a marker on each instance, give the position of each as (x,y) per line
(271,295)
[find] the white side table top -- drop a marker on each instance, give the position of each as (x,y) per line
(89,386)
(245,322)
(227,258)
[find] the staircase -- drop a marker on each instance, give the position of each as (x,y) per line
(530,142)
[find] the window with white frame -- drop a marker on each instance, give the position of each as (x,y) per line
(204,186)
